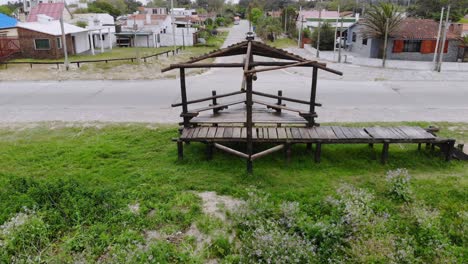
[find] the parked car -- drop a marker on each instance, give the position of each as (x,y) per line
(343,43)
(250,35)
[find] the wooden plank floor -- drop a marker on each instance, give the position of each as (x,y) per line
(313,134)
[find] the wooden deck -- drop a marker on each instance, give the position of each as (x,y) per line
(322,134)
(244,115)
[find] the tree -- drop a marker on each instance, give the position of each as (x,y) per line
(5,10)
(132,5)
(255,14)
(289,14)
(101,6)
(432,8)
(82,24)
(118,5)
(158,3)
(268,28)
(375,22)
(184,3)
(327,37)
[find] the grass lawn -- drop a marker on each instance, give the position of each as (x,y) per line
(463,20)
(115,53)
(109,194)
(283,43)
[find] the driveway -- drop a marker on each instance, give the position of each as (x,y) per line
(344,100)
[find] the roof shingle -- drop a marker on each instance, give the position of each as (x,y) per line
(414,28)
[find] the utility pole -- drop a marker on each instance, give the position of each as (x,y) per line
(336,31)
(300,30)
(285,20)
(318,33)
(341,39)
(173,25)
(384,55)
(446,27)
(436,51)
(64,44)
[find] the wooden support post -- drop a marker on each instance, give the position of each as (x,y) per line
(214,102)
(385,153)
(318,152)
(280,101)
(419,146)
(432,147)
(249,103)
(209,150)
(180,149)
(371,145)
(309,146)
(183,94)
(449,150)
(428,145)
(313,94)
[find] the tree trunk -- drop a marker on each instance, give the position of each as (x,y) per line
(381,48)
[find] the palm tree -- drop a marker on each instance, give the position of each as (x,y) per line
(375,22)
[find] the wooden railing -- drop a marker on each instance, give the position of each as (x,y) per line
(78,63)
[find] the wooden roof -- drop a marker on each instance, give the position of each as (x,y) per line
(258,48)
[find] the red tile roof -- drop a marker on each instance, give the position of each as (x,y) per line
(53,10)
(413,28)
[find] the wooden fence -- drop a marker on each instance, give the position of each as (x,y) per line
(78,63)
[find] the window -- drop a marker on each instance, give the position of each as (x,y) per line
(412,46)
(59,43)
(3,34)
(364,41)
(42,44)
(354,37)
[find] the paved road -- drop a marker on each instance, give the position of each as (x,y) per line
(149,101)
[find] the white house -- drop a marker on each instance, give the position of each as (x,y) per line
(312,18)
(100,26)
(149,30)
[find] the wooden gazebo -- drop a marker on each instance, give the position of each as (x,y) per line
(252,121)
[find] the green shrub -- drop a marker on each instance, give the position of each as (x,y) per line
(327,37)
(398,182)
(220,247)
(82,24)
(24,237)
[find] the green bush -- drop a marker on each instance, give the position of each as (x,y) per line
(399,184)
(82,24)
(327,37)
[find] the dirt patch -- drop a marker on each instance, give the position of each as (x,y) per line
(126,70)
(134,208)
(216,205)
